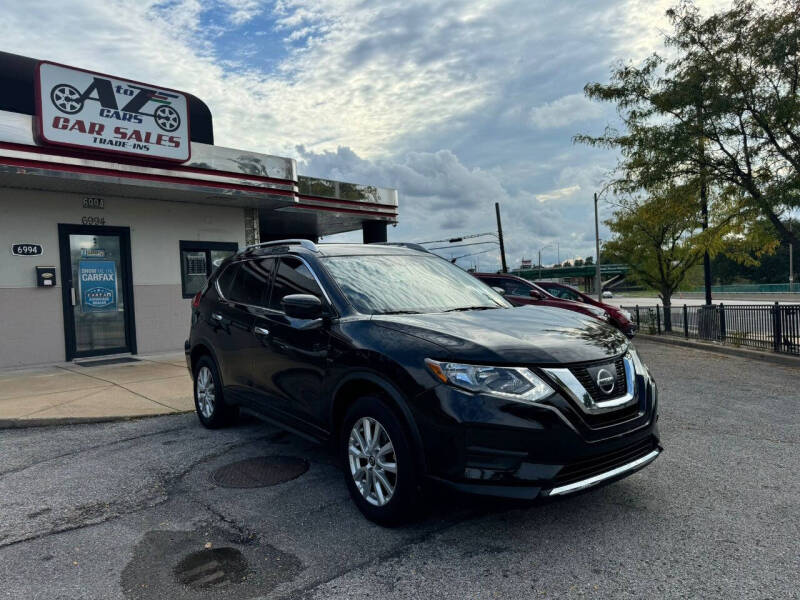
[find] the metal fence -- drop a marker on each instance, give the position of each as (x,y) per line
(753,288)
(763,327)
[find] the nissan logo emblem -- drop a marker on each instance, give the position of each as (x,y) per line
(605,381)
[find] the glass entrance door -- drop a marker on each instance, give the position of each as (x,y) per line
(97,290)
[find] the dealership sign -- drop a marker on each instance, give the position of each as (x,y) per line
(89,110)
(98,285)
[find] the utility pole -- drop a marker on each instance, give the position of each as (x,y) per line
(598,286)
(704,199)
(791,262)
(540,263)
(500,237)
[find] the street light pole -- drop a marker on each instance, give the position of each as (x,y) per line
(500,237)
(598,284)
(540,263)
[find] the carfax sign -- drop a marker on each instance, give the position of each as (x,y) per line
(98,285)
(90,110)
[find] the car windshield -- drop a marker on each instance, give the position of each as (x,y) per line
(396,284)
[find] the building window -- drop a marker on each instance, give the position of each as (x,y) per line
(198,261)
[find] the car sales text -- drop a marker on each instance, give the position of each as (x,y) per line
(120,135)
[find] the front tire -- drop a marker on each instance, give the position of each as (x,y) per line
(379,466)
(209,401)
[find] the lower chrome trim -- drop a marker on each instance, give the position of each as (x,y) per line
(586,483)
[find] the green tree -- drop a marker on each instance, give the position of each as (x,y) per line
(656,237)
(589,260)
(723,110)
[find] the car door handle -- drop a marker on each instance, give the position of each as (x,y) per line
(216,316)
(260,331)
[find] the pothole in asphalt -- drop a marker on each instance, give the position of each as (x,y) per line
(211,567)
(208,563)
(263,471)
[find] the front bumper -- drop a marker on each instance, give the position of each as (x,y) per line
(606,476)
(488,446)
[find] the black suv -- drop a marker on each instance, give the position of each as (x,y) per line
(418,372)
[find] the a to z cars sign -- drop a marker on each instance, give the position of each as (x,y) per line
(90,110)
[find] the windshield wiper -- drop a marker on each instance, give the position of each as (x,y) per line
(463,308)
(399,312)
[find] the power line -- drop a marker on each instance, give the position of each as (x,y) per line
(462,245)
(452,259)
(460,238)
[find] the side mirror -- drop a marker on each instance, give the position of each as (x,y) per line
(499,290)
(302,306)
(536,294)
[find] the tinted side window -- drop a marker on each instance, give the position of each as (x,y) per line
(226,278)
(252,282)
(292,277)
(514,288)
(564,293)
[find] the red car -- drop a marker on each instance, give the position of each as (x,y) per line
(620,318)
(520,291)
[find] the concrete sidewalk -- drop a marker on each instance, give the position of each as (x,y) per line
(75,393)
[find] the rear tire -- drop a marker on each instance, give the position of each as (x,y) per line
(379,466)
(209,400)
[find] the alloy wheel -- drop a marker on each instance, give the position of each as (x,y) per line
(206,393)
(373,463)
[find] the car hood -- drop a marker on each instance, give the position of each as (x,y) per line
(522,335)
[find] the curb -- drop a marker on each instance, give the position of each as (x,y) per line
(778,359)
(56,421)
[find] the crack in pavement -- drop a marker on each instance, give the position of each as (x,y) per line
(304,592)
(88,449)
(167,488)
(127,389)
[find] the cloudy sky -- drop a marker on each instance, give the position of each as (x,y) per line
(457,104)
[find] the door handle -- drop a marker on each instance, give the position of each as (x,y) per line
(72,295)
(216,316)
(260,331)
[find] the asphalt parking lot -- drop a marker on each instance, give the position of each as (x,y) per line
(130,510)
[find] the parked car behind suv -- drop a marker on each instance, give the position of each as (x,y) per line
(417,372)
(519,292)
(620,317)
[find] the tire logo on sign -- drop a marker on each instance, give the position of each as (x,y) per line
(605,381)
(69,100)
(66,98)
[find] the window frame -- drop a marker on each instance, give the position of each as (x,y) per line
(326,303)
(207,248)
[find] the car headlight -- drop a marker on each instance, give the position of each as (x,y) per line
(638,365)
(515,383)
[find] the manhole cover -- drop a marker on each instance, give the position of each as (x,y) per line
(259,472)
(211,567)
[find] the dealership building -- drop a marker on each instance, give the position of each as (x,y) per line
(115,205)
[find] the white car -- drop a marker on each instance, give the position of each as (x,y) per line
(607,294)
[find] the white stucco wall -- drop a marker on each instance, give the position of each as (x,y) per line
(31,319)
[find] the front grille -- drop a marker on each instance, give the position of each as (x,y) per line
(596,465)
(584,375)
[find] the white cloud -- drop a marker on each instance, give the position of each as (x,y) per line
(442,197)
(243,11)
(558,194)
(566,110)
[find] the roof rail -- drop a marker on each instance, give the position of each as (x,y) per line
(307,244)
(410,245)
